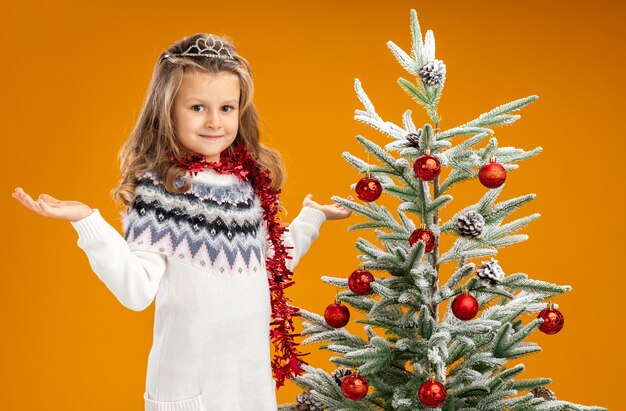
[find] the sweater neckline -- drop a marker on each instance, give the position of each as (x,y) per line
(208,175)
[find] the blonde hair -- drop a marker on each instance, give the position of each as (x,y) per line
(154,137)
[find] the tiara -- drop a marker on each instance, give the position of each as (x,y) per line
(209,46)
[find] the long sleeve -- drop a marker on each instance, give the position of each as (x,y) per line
(302,231)
(133,276)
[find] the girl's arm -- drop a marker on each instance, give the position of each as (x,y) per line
(300,234)
(133,276)
(304,229)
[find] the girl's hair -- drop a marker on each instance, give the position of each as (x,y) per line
(154,137)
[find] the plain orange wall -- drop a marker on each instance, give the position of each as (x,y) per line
(74,76)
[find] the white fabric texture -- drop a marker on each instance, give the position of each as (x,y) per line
(211,347)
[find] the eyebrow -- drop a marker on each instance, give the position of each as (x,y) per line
(232,101)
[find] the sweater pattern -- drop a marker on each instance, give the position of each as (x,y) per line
(215,228)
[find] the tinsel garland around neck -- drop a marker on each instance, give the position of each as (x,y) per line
(286,362)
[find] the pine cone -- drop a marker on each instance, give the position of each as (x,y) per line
(413,139)
(490,273)
(471,224)
(543,392)
(340,373)
(306,402)
(433,73)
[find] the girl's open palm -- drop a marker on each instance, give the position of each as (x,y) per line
(49,206)
(331,211)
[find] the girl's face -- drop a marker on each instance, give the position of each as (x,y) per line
(206,112)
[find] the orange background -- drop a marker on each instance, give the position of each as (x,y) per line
(74,76)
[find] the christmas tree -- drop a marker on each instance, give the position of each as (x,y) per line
(412,359)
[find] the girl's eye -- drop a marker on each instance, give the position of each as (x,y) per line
(226,109)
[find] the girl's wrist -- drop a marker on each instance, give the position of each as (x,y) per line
(317,207)
(82,215)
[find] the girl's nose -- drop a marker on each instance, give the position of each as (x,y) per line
(213,120)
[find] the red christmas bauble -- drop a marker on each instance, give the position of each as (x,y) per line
(368,189)
(337,315)
(492,174)
(553,320)
(359,282)
(432,393)
(464,307)
(354,387)
(423,234)
(427,167)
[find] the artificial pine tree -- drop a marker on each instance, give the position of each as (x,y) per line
(458,362)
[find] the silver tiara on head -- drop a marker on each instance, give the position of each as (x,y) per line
(209,46)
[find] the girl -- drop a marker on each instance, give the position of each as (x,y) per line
(201,234)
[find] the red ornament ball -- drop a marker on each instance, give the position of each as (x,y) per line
(432,393)
(423,234)
(359,282)
(368,189)
(337,315)
(553,320)
(354,387)
(492,174)
(427,167)
(465,307)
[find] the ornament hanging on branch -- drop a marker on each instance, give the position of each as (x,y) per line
(354,387)
(465,306)
(470,224)
(432,393)
(490,273)
(337,315)
(427,167)
(433,73)
(368,189)
(359,282)
(553,320)
(425,235)
(492,174)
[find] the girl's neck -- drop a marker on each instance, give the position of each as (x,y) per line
(236,160)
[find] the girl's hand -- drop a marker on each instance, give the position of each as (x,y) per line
(49,206)
(331,211)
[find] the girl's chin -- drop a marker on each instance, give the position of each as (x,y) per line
(210,153)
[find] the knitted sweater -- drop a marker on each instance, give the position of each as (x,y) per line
(202,254)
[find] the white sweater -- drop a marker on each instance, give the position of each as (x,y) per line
(202,254)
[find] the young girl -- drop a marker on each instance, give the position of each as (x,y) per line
(201,233)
